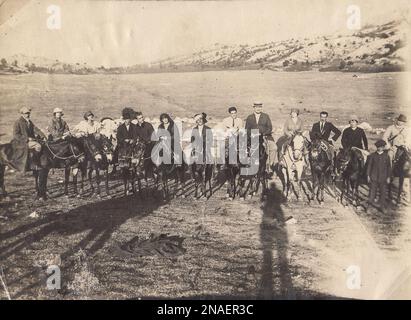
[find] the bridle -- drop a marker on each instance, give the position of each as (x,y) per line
(73,154)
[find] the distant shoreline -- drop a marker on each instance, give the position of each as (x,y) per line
(354,70)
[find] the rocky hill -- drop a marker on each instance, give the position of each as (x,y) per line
(375,48)
(372,49)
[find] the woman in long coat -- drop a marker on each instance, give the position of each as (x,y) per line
(168,124)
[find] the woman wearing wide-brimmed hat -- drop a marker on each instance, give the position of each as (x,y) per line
(57,128)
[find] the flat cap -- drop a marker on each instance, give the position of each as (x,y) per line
(25,110)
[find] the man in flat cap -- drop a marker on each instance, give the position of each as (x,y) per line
(378,174)
(88,125)
(261,121)
(397,135)
(57,128)
(25,132)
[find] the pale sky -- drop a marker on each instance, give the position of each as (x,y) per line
(114,33)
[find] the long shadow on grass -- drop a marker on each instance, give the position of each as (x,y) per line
(99,220)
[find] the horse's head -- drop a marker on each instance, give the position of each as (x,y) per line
(107,147)
(342,160)
(93,146)
(402,159)
(138,151)
(298,144)
(315,149)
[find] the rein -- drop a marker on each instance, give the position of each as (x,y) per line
(64,158)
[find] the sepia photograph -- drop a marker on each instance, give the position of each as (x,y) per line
(205,150)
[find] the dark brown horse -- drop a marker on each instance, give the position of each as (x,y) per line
(401,169)
(63,154)
(254,172)
(202,174)
(350,168)
(321,168)
(165,171)
(131,164)
(99,153)
(232,168)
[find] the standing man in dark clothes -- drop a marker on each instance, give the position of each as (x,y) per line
(354,136)
(378,174)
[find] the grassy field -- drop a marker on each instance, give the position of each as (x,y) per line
(374,97)
(257,249)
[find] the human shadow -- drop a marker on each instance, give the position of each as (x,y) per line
(100,219)
(274,239)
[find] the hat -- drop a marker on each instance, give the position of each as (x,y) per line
(55,110)
(380,143)
(402,118)
(127,113)
(297,111)
(87,114)
(201,115)
(231,109)
(354,117)
(258,104)
(25,110)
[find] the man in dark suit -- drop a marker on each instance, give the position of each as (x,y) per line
(202,139)
(262,122)
(126,132)
(378,174)
(25,132)
(126,136)
(322,130)
(144,132)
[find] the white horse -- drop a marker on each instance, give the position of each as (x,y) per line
(292,164)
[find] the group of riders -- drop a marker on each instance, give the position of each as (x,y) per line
(135,129)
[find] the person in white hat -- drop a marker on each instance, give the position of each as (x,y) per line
(25,132)
(202,138)
(397,135)
(58,128)
(261,121)
(354,136)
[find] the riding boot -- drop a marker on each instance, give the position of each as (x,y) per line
(35,160)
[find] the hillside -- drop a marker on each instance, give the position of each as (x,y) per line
(372,49)
(375,48)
